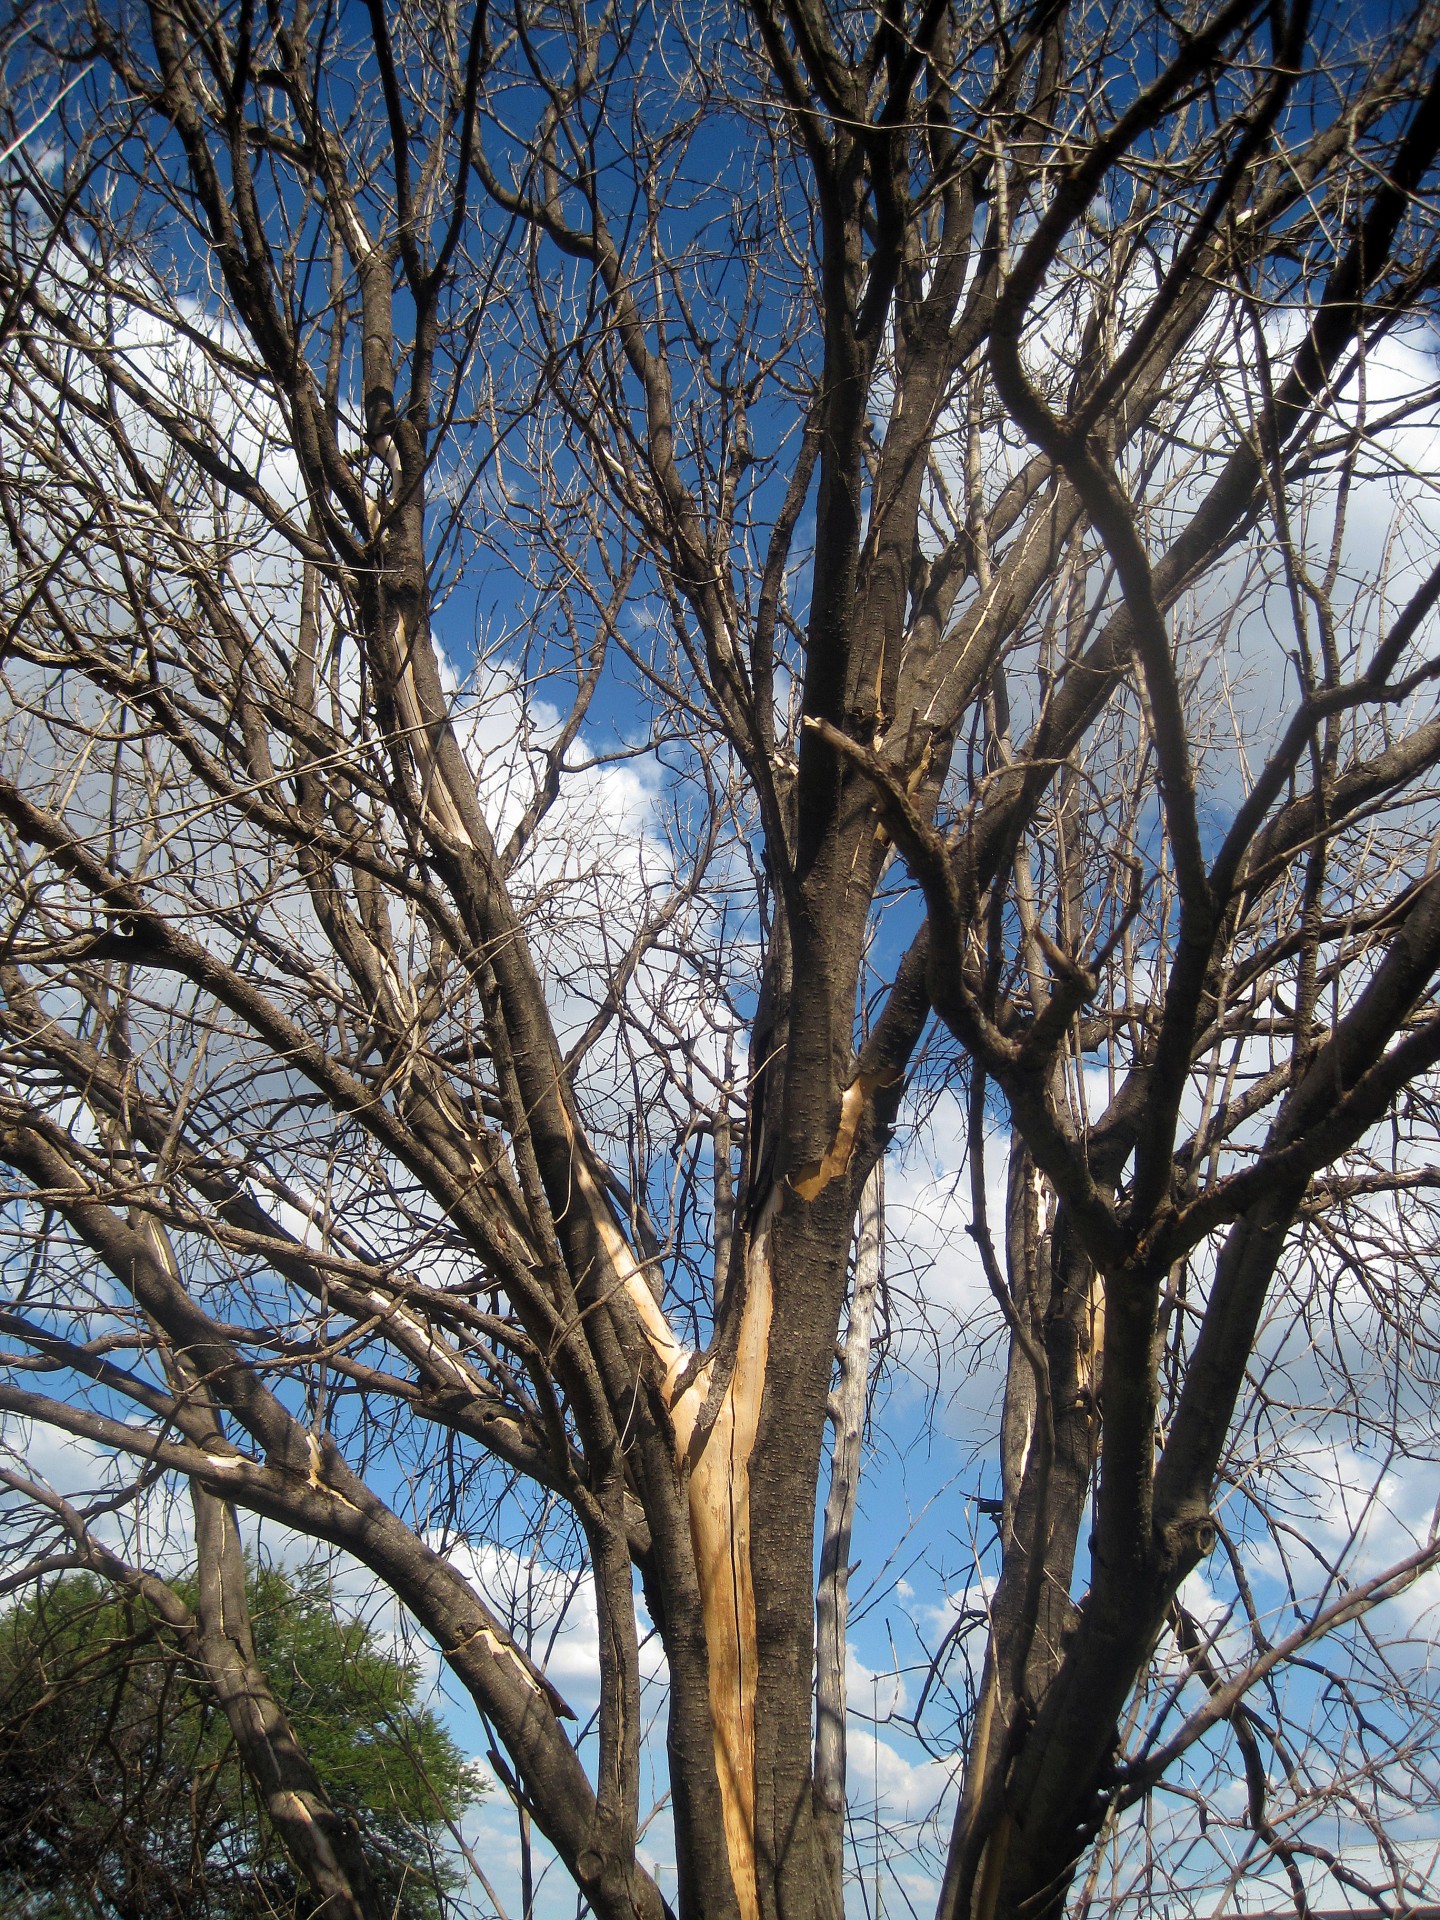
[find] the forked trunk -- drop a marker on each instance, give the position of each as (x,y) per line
(753,1548)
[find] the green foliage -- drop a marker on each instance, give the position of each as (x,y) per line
(122,1796)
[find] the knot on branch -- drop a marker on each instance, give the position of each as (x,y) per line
(1182,1543)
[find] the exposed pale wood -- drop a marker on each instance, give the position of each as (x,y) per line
(832,1599)
(719,1492)
(811,1182)
(713,1450)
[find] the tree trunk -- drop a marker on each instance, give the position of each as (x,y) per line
(324,1844)
(832,1600)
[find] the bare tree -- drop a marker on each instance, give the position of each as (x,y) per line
(592,594)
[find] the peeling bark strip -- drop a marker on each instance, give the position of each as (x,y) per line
(717,1457)
(720,1530)
(714,1450)
(810,1182)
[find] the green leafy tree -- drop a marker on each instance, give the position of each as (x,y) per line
(121,1789)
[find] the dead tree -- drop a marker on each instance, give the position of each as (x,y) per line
(923,465)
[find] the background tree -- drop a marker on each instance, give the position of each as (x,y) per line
(122,1788)
(895,494)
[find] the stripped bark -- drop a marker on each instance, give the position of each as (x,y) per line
(832,1595)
